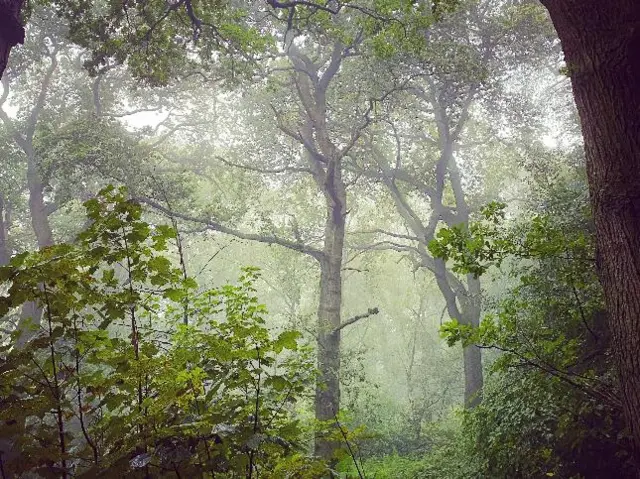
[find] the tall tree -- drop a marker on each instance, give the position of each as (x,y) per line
(309,114)
(601,42)
(427,162)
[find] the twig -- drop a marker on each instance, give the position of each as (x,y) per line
(582,314)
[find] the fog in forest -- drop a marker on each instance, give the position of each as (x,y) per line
(299,240)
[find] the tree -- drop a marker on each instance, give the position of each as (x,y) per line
(157,40)
(601,42)
(553,340)
(430,165)
(11,29)
(324,131)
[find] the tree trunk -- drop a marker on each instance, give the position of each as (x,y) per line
(327,399)
(473,374)
(601,43)
(5,255)
(31,312)
(37,206)
(11,30)
(467,313)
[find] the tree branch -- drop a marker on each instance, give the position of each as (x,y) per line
(215,226)
(349,322)
(387,233)
(42,96)
(274,171)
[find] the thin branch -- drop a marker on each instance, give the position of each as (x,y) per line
(562,375)
(351,453)
(133,112)
(291,4)
(388,233)
(582,313)
(387,245)
(274,171)
(355,319)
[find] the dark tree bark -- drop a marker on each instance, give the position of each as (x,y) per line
(601,43)
(11,29)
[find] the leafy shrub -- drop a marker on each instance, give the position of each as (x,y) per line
(132,371)
(550,404)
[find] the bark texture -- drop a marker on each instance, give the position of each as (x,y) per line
(11,29)
(327,400)
(5,254)
(601,43)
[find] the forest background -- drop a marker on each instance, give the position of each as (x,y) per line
(410,182)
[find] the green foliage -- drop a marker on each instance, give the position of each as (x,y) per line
(448,456)
(135,371)
(160,40)
(549,404)
(157,39)
(392,466)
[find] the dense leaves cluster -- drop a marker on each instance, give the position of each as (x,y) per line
(135,371)
(550,405)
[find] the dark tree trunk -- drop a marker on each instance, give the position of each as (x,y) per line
(601,43)
(327,399)
(11,30)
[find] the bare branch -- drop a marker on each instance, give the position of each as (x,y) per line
(349,322)
(303,3)
(291,4)
(388,233)
(387,245)
(133,112)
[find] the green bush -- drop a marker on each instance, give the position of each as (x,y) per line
(133,371)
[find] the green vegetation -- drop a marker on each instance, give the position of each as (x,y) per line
(315,239)
(156,374)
